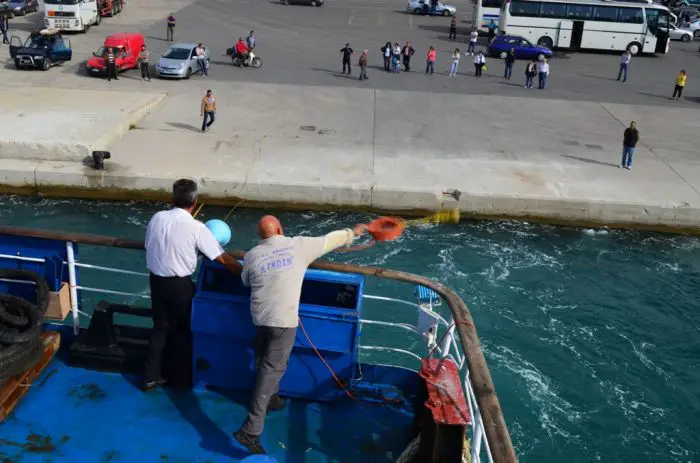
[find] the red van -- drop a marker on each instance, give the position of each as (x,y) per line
(126,47)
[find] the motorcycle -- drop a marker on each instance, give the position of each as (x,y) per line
(252,61)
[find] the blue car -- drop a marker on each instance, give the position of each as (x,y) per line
(524,49)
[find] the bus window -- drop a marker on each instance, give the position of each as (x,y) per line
(631,15)
(605,13)
(579,12)
(525,8)
(553,10)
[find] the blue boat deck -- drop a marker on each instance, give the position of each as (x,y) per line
(78,415)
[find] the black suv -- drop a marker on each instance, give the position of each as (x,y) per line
(41,50)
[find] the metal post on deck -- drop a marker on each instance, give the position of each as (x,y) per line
(72,285)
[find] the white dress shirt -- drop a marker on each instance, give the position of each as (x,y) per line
(173,238)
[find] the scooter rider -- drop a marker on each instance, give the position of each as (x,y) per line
(241,49)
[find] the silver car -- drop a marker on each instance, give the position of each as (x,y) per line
(676,33)
(417,7)
(180,61)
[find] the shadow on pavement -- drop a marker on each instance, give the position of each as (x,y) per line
(655,95)
(337,73)
(589,161)
(180,125)
(598,77)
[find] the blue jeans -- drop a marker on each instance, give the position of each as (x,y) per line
(529,78)
(623,69)
(208,115)
(472,47)
(509,71)
(429,67)
(453,68)
(542,80)
(202,65)
(627,154)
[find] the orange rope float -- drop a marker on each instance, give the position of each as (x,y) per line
(380,229)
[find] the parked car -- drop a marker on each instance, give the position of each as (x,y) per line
(693,26)
(180,61)
(676,33)
(41,50)
(126,47)
(304,2)
(22,7)
(524,49)
(416,7)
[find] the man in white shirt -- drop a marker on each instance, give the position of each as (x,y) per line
(542,74)
(173,239)
(473,37)
(201,58)
(274,270)
(624,63)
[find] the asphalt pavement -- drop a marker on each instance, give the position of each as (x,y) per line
(301,46)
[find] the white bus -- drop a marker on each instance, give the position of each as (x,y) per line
(486,11)
(71,15)
(589,24)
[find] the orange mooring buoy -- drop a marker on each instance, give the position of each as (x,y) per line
(386,228)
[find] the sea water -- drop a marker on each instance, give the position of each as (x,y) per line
(592,336)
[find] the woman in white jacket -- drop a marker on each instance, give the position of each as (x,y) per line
(479,63)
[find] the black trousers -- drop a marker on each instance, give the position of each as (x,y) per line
(677,91)
(453,33)
(346,62)
(112,71)
(145,71)
(407,62)
(171,338)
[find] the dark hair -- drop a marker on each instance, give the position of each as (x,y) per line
(184,193)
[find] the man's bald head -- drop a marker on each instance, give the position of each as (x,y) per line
(269,226)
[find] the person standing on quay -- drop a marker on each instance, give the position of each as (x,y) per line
(208,110)
(173,240)
(274,271)
(143,59)
(347,53)
(171,28)
(625,59)
(680,85)
(111,65)
(510,60)
(430,60)
(455,62)
(473,37)
(453,28)
(479,63)
(4,26)
(530,73)
(629,141)
(543,71)
(363,65)
(407,51)
(386,53)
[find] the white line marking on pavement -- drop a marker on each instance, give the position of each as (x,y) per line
(410,21)
(352,15)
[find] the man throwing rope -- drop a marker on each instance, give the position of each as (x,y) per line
(274,270)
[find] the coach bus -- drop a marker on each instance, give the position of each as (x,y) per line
(589,24)
(486,11)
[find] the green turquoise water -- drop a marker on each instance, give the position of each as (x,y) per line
(593,340)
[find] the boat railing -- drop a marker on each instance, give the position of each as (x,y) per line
(490,440)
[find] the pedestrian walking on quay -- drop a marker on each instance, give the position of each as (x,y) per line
(4,26)
(455,62)
(510,61)
(396,58)
(473,37)
(208,110)
(543,74)
(347,52)
(453,28)
(363,65)
(201,59)
(530,73)
(386,53)
(144,64)
(624,64)
(407,51)
(629,140)
(680,85)
(171,28)
(479,63)
(111,65)
(430,60)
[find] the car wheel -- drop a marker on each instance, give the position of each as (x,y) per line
(314,3)
(696,33)
(417,11)
(634,48)
(446,12)
(189,73)
(686,38)
(545,42)
(502,55)
(46,65)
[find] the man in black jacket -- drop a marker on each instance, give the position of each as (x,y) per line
(510,60)
(347,53)
(406,52)
(629,141)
